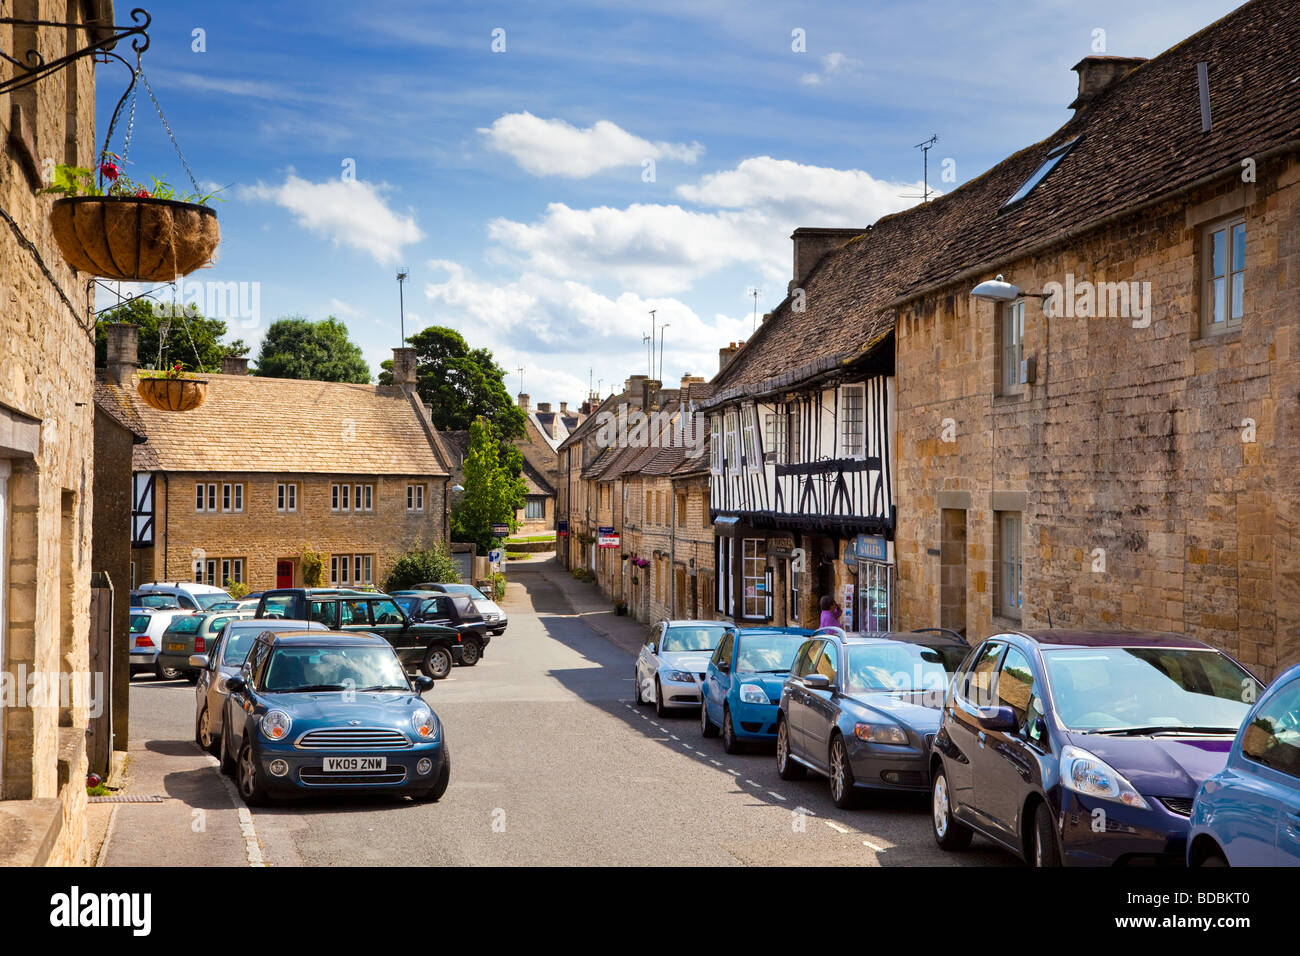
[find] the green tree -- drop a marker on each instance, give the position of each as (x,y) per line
(493,488)
(189,338)
(460,384)
(420,565)
(296,347)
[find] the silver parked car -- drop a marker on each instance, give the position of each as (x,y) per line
(225,660)
(147,627)
(672,661)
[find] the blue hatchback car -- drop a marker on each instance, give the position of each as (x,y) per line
(1248,814)
(742,684)
(322,711)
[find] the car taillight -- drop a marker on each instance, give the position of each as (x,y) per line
(200,645)
(143,641)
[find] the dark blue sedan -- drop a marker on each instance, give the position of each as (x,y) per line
(1248,814)
(1084,748)
(861,710)
(328,711)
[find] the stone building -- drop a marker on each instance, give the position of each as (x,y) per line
(238,489)
(46,446)
(544,431)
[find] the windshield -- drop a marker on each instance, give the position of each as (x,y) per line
(469,589)
(140,623)
(767,653)
(890,667)
(334,668)
(1131,688)
(206,601)
(186,624)
(237,645)
(678,639)
(411,605)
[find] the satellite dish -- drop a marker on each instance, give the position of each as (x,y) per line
(996,290)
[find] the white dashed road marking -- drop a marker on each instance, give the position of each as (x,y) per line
(836,827)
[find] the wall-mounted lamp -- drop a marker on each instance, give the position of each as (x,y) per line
(997,290)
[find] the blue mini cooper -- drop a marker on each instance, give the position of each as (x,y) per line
(742,684)
(327,711)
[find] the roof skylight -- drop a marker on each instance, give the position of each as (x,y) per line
(1039,174)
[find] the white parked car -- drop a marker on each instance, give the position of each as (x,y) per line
(493,616)
(147,627)
(670,667)
(188,595)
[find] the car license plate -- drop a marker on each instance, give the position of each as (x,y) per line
(344,764)
(175,647)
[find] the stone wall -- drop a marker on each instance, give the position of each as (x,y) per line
(1156,466)
(46,382)
(262,536)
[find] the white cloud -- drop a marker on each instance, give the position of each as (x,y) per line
(348,213)
(560,329)
(832,63)
(552,147)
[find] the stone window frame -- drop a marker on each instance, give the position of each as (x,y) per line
(415,497)
(1008,561)
(205,498)
(228,567)
(286,497)
(367,503)
(530,502)
(232,497)
(1231,278)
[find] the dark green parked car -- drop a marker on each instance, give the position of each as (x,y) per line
(430,648)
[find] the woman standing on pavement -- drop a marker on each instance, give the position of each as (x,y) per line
(830,612)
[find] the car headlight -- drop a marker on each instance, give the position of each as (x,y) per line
(1091,776)
(425,724)
(276,724)
(752,694)
(880,733)
(680,677)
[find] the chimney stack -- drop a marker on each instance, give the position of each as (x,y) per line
(1096,73)
(635,390)
(725,355)
(123,357)
(544,407)
(564,408)
(234,365)
(523,399)
(404,367)
(811,244)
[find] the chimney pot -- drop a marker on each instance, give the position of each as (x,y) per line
(404,366)
(234,365)
(564,408)
(123,352)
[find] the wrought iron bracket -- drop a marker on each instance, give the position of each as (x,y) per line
(33,67)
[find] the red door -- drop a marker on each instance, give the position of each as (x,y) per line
(284,574)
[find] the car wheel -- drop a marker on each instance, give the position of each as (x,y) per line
(729,742)
(1213,858)
(948,833)
(843,791)
(660,709)
(786,768)
(434,793)
(166,673)
(636,687)
(249,777)
(437,663)
(203,732)
(1046,851)
(226,757)
(470,653)
(707,727)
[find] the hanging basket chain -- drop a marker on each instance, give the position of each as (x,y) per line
(170,135)
(130,117)
(117,112)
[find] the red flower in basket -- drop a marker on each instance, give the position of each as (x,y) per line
(110,170)
(143,193)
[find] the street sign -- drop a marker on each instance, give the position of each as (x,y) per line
(494,557)
(562,529)
(501,530)
(606,538)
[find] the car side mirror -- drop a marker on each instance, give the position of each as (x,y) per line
(422,683)
(200,661)
(235,684)
(724,667)
(997,719)
(817,682)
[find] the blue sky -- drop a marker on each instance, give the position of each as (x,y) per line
(515,184)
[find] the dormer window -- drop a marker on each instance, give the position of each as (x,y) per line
(1039,174)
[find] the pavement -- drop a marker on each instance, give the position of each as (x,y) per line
(552,764)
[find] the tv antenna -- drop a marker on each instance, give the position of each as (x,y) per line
(650,352)
(661,349)
(755,293)
(521,379)
(925,168)
(402,273)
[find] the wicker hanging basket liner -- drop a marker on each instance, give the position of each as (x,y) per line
(134,240)
(172,394)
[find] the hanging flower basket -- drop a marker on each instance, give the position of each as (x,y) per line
(134,239)
(172,394)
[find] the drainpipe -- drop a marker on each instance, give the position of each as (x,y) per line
(167,502)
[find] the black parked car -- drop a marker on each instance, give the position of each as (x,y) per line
(1084,748)
(449,610)
(862,709)
(430,647)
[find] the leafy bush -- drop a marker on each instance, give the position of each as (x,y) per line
(313,567)
(422,564)
(236,589)
(498,586)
